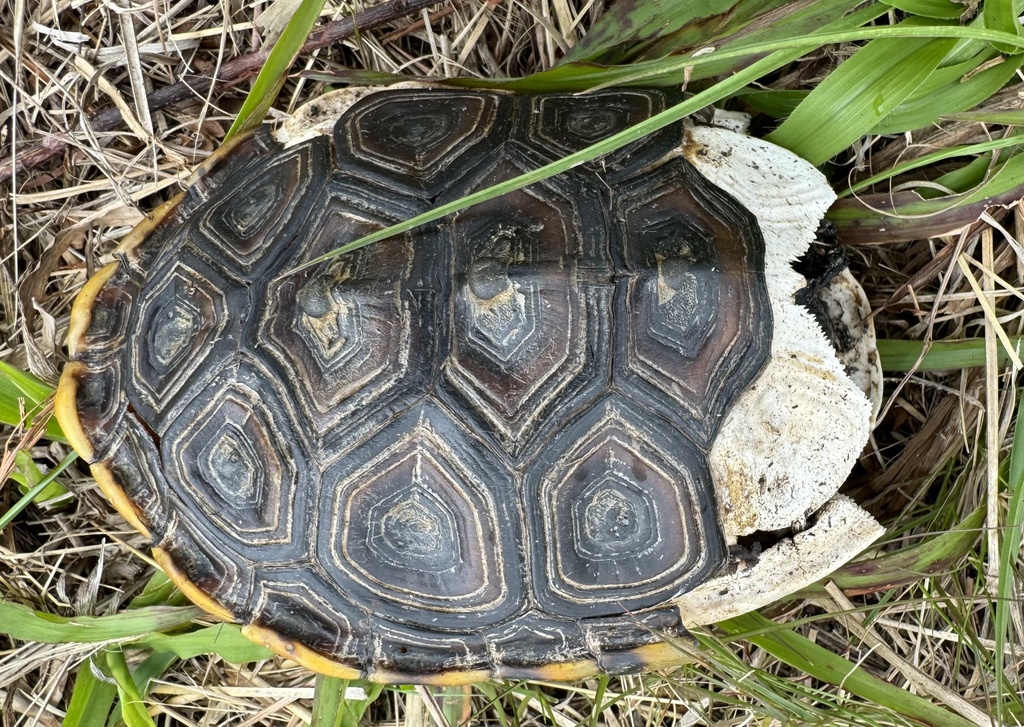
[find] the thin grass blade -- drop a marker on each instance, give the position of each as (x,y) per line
(942,9)
(899,355)
(613,142)
(1009,549)
(906,216)
(133,707)
(335,703)
(275,71)
(952,152)
(806,656)
(29,497)
(907,565)
(152,668)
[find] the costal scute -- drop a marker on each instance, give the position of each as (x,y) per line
(518,442)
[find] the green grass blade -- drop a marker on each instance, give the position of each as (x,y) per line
(952,152)
(792,20)
(275,71)
(1001,15)
(616,141)
(1009,549)
(21,622)
(91,697)
(942,355)
(948,90)
(29,497)
(21,390)
(133,707)
(223,639)
(152,668)
(29,477)
(905,216)
(820,663)
(942,9)
(907,565)
(333,708)
(858,95)
(994,116)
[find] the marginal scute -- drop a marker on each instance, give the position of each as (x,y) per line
(292,603)
(615,641)
(134,466)
(408,652)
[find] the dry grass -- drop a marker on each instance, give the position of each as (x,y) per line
(935,459)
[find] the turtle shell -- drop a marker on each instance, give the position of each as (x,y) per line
(483,447)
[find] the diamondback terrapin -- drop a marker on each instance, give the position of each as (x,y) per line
(521,442)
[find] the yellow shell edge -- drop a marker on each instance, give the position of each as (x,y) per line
(142,230)
(191,590)
(118,498)
(81,309)
(295,651)
(66,410)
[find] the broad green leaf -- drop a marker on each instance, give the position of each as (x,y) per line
(1007,600)
(1002,15)
(91,697)
(948,90)
(945,9)
(777,104)
(906,565)
(22,622)
(816,661)
(333,705)
(133,707)
(21,392)
(942,355)
(858,95)
(962,180)
(159,591)
(223,639)
(275,71)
